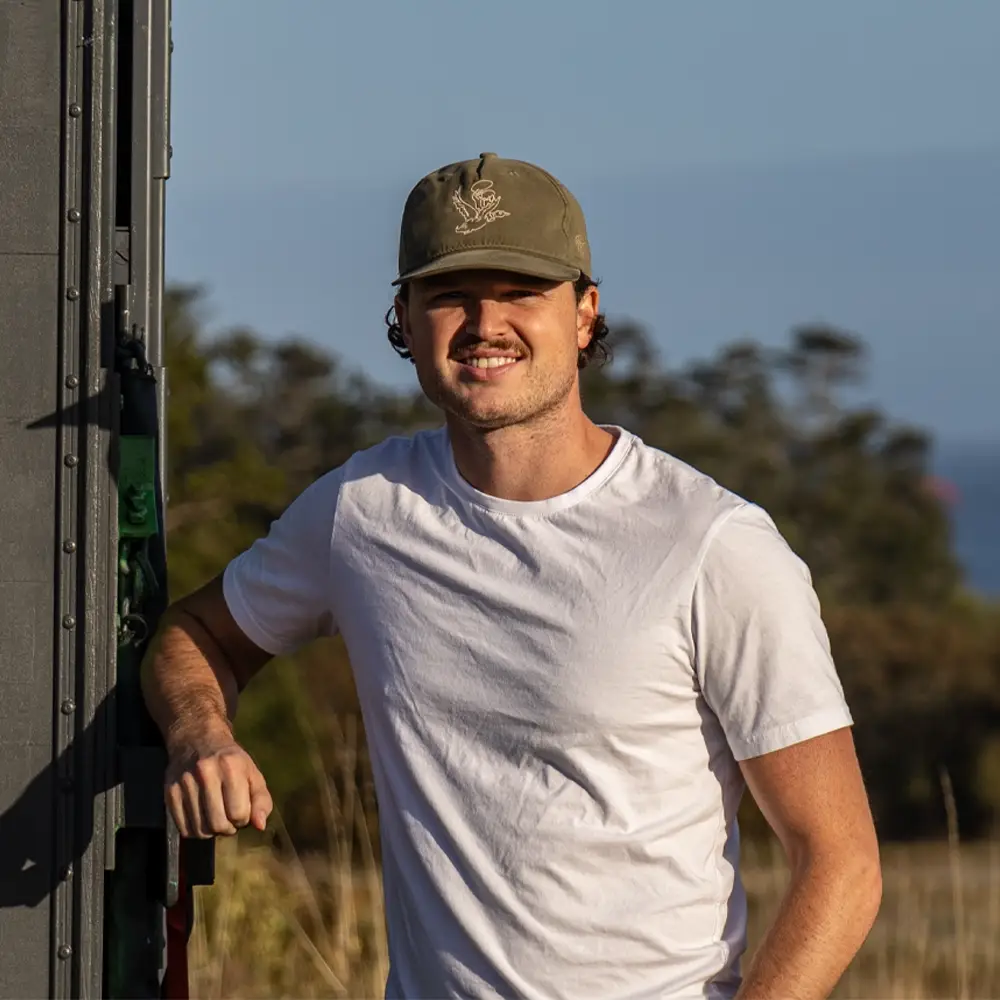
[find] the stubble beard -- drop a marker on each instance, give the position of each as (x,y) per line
(497,407)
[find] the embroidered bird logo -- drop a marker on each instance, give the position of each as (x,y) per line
(482,210)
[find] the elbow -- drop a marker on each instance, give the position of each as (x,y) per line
(851,878)
(871,882)
(859,877)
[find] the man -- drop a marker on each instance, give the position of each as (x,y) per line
(572,651)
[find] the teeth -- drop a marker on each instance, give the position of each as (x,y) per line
(490,362)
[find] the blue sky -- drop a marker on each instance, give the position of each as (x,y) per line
(744,168)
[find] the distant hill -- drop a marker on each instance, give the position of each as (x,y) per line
(974,472)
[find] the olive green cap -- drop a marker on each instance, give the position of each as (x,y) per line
(493,213)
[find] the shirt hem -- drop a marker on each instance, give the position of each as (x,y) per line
(787,735)
(244,618)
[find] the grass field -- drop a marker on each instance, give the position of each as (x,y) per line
(274,928)
(279,925)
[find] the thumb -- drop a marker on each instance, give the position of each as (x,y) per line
(260,800)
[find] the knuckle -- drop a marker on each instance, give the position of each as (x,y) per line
(231,764)
(205,767)
(190,788)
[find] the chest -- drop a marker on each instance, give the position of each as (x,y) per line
(559,630)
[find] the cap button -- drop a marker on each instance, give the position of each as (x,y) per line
(483,156)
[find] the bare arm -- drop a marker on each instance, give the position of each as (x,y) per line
(813,796)
(196,666)
(192,674)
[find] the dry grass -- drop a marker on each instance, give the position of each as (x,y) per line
(277,925)
(937,934)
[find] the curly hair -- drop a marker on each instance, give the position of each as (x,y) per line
(597,352)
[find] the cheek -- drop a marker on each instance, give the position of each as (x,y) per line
(430,342)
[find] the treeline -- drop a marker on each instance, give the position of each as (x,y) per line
(252,422)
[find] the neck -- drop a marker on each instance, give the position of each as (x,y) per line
(533,461)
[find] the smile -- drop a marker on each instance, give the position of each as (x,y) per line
(484,368)
(490,362)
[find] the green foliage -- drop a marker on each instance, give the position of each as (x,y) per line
(252,423)
(848,490)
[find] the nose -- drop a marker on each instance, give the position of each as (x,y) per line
(484,319)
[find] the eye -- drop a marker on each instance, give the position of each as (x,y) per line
(447,296)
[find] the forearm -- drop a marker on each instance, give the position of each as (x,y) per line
(825,916)
(187,682)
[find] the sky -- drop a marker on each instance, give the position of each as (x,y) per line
(744,169)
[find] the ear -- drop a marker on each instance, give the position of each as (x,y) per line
(586,314)
(402,317)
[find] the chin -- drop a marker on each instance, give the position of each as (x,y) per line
(498,415)
(491,408)
(486,418)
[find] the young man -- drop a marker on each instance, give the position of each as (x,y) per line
(573,652)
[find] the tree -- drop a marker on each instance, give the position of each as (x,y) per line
(253,422)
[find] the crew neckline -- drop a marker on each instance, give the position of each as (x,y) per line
(539,508)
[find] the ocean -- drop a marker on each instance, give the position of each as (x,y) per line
(973,472)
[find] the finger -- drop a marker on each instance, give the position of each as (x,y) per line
(175,805)
(236,789)
(213,809)
(191,798)
(261,804)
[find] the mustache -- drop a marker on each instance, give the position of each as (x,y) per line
(467,346)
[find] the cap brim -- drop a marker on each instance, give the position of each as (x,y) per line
(487,259)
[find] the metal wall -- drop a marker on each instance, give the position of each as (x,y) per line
(56,77)
(32,474)
(88,860)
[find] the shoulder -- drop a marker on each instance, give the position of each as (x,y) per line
(677,492)
(391,461)
(398,454)
(725,532)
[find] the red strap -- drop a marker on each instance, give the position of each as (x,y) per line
(179,920)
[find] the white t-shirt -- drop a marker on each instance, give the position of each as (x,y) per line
(556,695)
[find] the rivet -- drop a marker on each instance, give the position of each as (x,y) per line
(72,381)
(75,111)
(68,707)
(71,460)
(74,215)
(64,951)
(72,294)
(66,873)
(69,546)
(68,621)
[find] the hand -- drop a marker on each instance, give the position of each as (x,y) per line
(213,787)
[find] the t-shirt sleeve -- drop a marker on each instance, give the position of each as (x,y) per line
(763,654)
(278,590)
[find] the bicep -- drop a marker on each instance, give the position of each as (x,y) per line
(208,610)
(812,794)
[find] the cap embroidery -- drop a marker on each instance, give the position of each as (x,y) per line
(481,211)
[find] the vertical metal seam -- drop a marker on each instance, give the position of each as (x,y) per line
(67,597)
(143,19)
(96,490)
